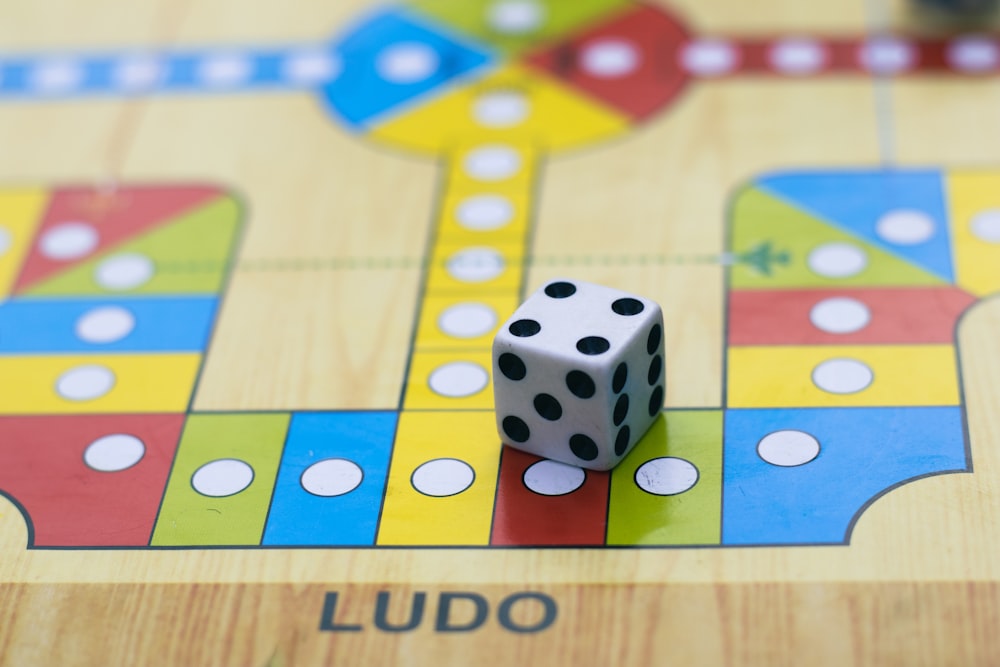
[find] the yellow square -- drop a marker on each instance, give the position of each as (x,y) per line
(474,270)
(453,380)
(974,199)
(89,384)
(20,215)
(507,164)
(842,376)
(462,323)
(442,480)
(484,216)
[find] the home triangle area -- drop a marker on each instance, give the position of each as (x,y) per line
(83,221)
(807,251)
(900,212)
(187,256)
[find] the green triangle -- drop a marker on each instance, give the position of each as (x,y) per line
(190,255)
(559,18)
(772,242)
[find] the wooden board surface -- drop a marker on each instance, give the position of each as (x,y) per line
(319,315)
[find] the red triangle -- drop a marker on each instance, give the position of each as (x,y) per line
(115,215)
(657,79)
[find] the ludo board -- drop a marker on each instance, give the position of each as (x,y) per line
(246,344)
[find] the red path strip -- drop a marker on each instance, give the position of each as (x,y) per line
(898,316)
(525,518)
(811,56)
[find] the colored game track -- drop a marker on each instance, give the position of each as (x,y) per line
(829,372)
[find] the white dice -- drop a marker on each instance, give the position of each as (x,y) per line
(578,373)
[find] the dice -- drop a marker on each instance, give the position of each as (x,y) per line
(578,373)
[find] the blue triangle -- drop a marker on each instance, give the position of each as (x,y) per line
(360,94)
(855,202)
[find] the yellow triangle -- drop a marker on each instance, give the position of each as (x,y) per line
(511,105)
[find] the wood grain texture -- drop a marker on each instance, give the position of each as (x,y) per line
(940,624)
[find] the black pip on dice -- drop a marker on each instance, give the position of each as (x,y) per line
(579,374)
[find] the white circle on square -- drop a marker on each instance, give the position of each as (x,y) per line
(475,265)
(440,478)
(114,453)
(224,70)
(85,383)
(985,225)
(124,271)
(56,76)
(332,477)
(139,72)
(68,240)
(837,260)
(842,376)
(310,68)
(905,227)
(6,240)
(887,55)
(515,17)
(222,477)
(484,213)
(709,57)
(797,55)
(840,315)
(666,476)
(105,324)
(973,53)
(788,448)
(610,58)
(492,163)
(551,478)
(458,379)
(499,109)
(467,320)
(407,63)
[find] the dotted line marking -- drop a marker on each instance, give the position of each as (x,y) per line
(192,266)
(377,263)
(762,258)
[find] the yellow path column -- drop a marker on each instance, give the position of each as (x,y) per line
(493,134)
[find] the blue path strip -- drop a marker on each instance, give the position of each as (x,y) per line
(354,440)
(53,326)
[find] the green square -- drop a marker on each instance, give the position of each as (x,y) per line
(188,517)
(676,441)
